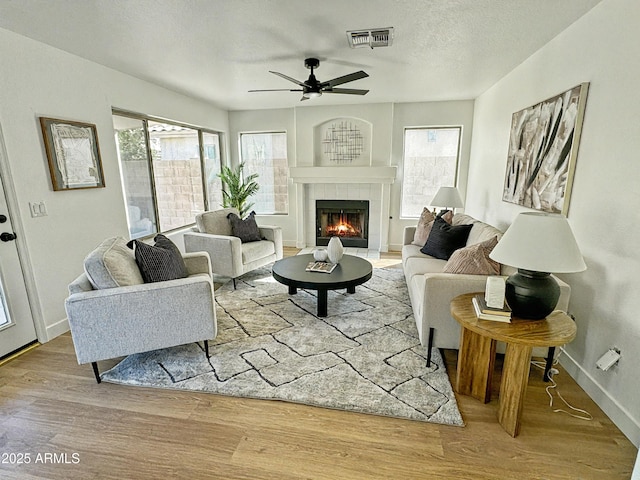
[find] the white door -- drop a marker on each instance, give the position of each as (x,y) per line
(16,322)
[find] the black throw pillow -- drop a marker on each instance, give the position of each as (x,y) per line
(160,262)
(246,230)
(444,239)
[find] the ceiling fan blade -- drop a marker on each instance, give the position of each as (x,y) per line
(344,79)
(348,91)
(277,90)
(286,77)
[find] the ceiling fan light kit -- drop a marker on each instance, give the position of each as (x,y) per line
(312,88)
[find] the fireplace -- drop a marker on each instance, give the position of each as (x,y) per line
(347,219)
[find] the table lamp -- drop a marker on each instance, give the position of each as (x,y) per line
(537,244)
(447,197)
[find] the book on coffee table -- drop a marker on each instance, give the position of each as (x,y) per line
(478,301)
(323,267)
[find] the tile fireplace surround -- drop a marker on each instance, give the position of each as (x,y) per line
(344,183)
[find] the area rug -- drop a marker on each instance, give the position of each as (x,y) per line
(364,356)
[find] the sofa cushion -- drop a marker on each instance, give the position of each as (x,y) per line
(409,251)
(215,222)
(111,265)
(481,232)
(425,222)
(421,265)
(245,229)
(446,215)
(253,251)
(160,262)
(462,219)
(444,239)
(474,259)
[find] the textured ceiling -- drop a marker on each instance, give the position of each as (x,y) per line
(216,50)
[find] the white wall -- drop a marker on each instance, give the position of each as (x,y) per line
(601,48)
(379,115)
(388,122)
(281,120)
(38,80)
(431,114)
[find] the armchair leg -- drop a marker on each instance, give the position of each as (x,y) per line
(96,372)
(234,283)
(430,346)
(206,348)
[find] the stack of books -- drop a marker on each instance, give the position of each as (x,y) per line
(324,267)
(485,312)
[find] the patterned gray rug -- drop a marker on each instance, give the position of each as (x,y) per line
(365,356)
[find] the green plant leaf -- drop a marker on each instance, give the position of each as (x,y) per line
(237,189)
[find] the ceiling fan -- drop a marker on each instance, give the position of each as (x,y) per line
(312,88)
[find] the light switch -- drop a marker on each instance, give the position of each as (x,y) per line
(38,209)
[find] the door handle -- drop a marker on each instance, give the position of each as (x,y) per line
(7,237)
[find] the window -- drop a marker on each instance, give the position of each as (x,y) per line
(265,153)
(212,163)
(169,172)
(430,161)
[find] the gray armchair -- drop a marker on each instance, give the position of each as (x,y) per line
(123,320)
(229,256)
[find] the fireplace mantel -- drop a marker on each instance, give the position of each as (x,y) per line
(383,175)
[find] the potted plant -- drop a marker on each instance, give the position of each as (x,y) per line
(238,189)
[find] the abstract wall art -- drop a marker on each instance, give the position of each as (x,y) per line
(543,147)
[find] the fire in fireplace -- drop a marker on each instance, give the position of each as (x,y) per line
(347,219)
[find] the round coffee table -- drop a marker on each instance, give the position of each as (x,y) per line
(350,272)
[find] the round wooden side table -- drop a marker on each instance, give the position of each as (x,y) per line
(477,354)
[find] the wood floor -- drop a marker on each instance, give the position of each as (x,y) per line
(55,416)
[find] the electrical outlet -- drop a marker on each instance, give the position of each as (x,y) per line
(608,360)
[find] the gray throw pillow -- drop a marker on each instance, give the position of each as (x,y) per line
(160,262)
(246,230)
(111,265)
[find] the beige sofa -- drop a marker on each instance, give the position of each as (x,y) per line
(431,290)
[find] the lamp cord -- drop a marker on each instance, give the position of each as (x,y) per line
(553,371)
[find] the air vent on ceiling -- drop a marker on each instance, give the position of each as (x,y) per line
(378,37)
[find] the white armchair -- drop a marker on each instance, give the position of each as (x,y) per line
(140,317)
(229,256)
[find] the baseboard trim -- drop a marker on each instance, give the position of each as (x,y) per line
(609,405)
(57,329)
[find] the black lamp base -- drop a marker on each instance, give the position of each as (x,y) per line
(532,295)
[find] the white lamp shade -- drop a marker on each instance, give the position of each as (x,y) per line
(447,197)
(541,242)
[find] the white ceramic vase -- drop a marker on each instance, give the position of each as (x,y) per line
(320,254)
(335,250)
